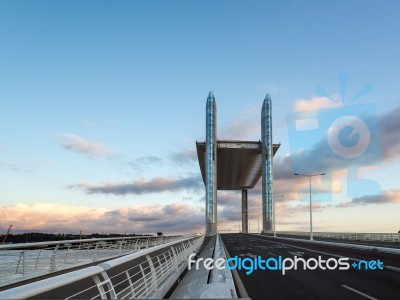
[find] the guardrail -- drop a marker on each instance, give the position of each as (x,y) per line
(224,276)
(22,261)
(145,274)
(383,237)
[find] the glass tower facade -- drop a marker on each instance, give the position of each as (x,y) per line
(211,165)
(268,205)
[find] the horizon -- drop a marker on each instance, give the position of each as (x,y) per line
(102,104)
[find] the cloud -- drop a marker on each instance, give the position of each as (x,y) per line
(17,168)
(49,216)
(63,218)
(90,149)
(314,104)
(142,186)
(389,126)
(320,157)
(89,123)
(187,156)
(187,199)
(390,196)
(151,159)
(145,162)
(292,208)
(9,166)
(242,128)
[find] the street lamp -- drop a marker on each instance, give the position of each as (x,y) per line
(309,179)
(258,217)
(280,196)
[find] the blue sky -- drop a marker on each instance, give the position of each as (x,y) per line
(99,93)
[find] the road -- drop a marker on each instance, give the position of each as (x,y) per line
(313,284)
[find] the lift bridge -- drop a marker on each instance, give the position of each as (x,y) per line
(157,267)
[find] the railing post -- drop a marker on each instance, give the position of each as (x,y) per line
(144,280)
(53,266)
(37,259)
(19,262)
(183,253)
(153,272)
(160,266)
(100,286)
(120,248)
(23,263)
(95,251)
(166,264)
(175,257)
(133,294)
(66,255)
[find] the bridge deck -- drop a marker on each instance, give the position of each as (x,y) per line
(312,284)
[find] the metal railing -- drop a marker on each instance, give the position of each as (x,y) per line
(381,237)
(202,283)
(22,261)
(149,273)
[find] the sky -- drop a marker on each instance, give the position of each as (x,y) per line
(102,103)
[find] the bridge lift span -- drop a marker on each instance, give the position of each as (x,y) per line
(237,165)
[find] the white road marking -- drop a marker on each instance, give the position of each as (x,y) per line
(311,250)
(331,254)
(272,253)
(264,247)
(248,254)
(296,253)
(240,248)
(358,292)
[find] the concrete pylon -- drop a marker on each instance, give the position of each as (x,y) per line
(245,212)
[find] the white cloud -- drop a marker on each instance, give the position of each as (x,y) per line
(241,128)
(314,104)
(91,149)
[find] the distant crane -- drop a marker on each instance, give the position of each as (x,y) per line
(5,237)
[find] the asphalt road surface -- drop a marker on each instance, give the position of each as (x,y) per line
(313,284)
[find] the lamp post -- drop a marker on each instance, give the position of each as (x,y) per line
(280,196)
(258,217)
(309,179)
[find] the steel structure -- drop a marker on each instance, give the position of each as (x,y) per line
(236,165)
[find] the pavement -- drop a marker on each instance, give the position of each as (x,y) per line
(313,284)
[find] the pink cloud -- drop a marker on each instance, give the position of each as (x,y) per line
(64,218)
(314,104)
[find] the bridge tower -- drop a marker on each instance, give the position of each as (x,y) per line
(237,165)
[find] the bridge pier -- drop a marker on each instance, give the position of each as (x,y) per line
(244,212)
